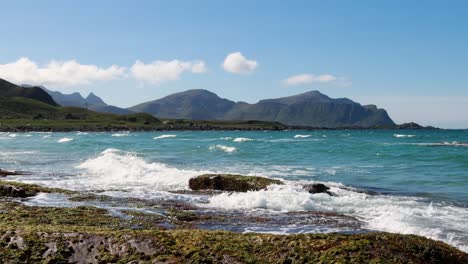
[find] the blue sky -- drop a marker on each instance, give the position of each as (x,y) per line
(410,57)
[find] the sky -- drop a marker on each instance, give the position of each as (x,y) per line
(409,57)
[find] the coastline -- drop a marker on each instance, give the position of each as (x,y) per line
(31,125)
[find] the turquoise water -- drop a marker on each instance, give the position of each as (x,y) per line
(397,181)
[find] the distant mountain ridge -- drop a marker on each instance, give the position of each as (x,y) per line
(312,109)
(91,102)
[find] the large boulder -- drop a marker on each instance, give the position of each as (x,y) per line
(230,182)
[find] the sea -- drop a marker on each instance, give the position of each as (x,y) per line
(399,181)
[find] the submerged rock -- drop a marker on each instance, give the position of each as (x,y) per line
(317,188)
(230,182)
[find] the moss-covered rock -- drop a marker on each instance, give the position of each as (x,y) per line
(230,182)
(196,246)
(32,189)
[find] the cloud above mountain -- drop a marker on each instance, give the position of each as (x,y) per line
(307,78)
(236,63)
(58,73)
(158,72)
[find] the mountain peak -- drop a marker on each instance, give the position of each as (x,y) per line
(92,99)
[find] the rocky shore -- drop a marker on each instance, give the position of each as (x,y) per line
(182,233)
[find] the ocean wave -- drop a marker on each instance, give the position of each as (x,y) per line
(226,149)
(65,139)
(117,169)
(81,133)
(13,135)
(165,136)
(403,136)
(398,214)
(226,138)
(242,139)
(301,136)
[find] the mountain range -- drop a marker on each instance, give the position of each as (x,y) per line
(311,109)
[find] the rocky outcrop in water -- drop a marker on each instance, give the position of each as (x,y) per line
(317,188)
(230,182)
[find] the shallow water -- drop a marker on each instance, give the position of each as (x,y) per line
(420,177)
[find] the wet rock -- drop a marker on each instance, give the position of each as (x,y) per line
(230,182)
(317,188)
(15,191)
(4,173)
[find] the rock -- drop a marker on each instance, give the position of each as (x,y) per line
(317,188)
(4,173)
(230,182)
(15,191)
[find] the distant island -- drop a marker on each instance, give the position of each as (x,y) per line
(32,108)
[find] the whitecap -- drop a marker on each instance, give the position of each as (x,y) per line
(165,136)
(120,135)
(301,136)
(241,139)
(403,136)
(226,149)
(65,139)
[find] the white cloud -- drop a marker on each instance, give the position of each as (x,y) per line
(158,72)
(306,78)
(57,73)
(236,63)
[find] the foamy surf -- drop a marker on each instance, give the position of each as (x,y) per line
(397,214)
(226,149)
(64,140)
(301,136)
(165,136)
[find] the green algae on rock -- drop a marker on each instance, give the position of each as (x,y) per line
(196,246)
(230,182)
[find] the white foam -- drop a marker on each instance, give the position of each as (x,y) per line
(226,138)
(223,148)
(242,139)
(301,136)
(403,136)
(446,144)
(81,133)
(116,169)
(165,136)
(65,139)
(398,214)
(12,135)
(120,135)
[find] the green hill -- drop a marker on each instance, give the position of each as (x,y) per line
(9,90)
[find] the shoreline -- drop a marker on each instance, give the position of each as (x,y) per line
(90,234)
